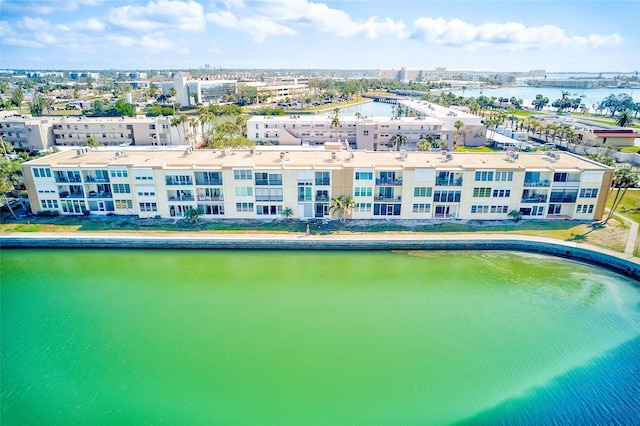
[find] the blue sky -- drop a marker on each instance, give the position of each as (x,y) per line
(515,35)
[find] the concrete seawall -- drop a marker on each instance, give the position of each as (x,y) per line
(618,262)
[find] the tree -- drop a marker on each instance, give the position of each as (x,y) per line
(459,128)
(191,215)
(624,119)
(91,142)
(287,213)
(516,215)
(342,206)
(624,178)
(398,140)
(10,173)
(17,97)
(539,102)
(335,120)
(426,143)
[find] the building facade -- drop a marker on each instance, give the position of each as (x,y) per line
(27,133)
(368,133)
(261,184)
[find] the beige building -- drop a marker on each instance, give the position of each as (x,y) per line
(27,133)
(369,133)
(261,184)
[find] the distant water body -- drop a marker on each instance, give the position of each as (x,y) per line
(283,337)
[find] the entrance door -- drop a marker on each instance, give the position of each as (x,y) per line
(442,211)
(101,206)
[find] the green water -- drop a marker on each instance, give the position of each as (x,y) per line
(284,337)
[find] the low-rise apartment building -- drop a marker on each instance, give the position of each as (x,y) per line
(27,133)
(369,133)
(261,184)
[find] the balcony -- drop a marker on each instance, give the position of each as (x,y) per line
(539,198)
(182,198)
(95,179)
(67,194)
(179,182)
(388,182)
(563,199)
(449,182)
(209,182)
(387,198)
(95,194)
(322,198)
(537,183)
(62,179)
(269,182)
(210,197)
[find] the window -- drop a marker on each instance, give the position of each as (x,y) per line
(41,172)
(484,176)
(362,208)
(482,192)
(49,204)
(121,188)
(589,193)
(446,196)
(268,194)
(242,175)
(124,204)
(502,193)
(479,209)
(263,178)
(119,173)
(244,191)
(363,191)
(537,211)
(422,191)
(148,207)
(146,194)
(499,209)
(584,208)
(323,178)
(244,207)
(560,177)
(422,208)
(271,210)
(144,177)
(364,175)
(504,176)
(555,208)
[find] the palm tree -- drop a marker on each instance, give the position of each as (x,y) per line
(624,178)
(624,119)
(91,142)
(398,140)
(516,215)
(287,213)
(459,126)
(342,206)
(335,120)
(426,143)
(176,122)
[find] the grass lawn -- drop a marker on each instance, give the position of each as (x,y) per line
(476,149)
(629,206)
(630,149)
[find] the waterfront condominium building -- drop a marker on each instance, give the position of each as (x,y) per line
(370,133)
(261,183)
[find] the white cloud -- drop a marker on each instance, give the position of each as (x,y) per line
(33,24)
(91,24)
(282,17)
(45,7)
(509,35)
(159,15)
(153,42)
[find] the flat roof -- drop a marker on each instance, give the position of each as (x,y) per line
(309,159)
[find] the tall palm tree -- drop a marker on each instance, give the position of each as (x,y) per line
(426,143)
(624,178)
(335,120)
(91,142)
(342,206)
(398,140)
(459,129)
